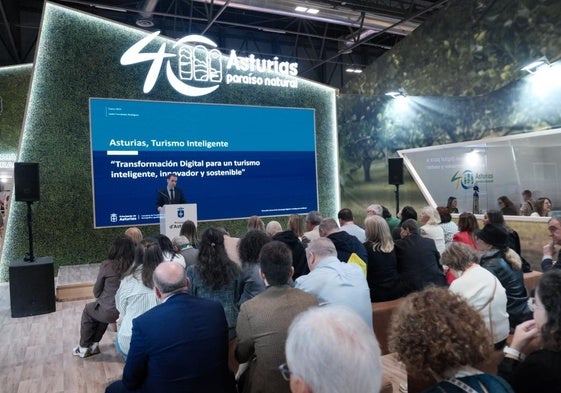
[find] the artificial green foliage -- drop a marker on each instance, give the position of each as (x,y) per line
(79,58)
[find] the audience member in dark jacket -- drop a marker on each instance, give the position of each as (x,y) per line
(299,262)
(506,265)
(345,243)
(382,276)
(418,260)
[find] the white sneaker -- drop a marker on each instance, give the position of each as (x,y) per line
(94,349)
(81,352)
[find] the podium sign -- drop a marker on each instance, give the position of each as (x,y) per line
(172,218)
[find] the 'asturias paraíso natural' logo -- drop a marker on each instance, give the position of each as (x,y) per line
(467,179)
(195,67)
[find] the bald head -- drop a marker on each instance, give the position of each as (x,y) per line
(169,277)
(273,228)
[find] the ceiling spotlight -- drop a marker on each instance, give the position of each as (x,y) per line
(354,70)
(307,10)
(397,94)
(534,66)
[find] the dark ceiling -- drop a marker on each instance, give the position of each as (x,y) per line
(341,34)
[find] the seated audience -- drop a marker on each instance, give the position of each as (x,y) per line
(507,206)
(480,288)
(438,335)
(189,230)
(216,277)
(255,223)
(183,246)
(406,213)
(431,228)
(249,249)
(264,320)
(295,225)
(136,293)
(330,349)
(288,237)
(347,223)
(418,260)
(335,282)
(506,265)
(181,345)
(393,222)
(382,276)
(467,225)
(313,219)
(170,254)
(98,314)
(345,243)
(543,207)
(135,234)
(554,227)
(452,204)
(532,362)
(448,226)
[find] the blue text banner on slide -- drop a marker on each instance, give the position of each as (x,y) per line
(232,161)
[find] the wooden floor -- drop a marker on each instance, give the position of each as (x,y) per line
(36,353)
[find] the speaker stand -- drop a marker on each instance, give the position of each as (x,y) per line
(29,257)
(396,199)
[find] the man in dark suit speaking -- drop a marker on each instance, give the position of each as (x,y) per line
(181,345)
(171,194)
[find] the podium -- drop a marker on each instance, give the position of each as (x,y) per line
(172,218)
(32,287)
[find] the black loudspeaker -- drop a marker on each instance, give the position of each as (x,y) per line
(26,181)
(395,171)
(32,287)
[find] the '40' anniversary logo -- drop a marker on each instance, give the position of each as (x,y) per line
(195,68)
(466,179)
(199,69)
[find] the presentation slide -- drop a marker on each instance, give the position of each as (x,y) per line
(232,161)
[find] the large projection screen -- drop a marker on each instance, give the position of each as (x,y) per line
(232,161)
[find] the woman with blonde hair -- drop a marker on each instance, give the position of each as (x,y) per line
(431,228)
(296,225)
(437,334)
(381,269)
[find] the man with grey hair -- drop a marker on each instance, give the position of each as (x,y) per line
(181,345)
(183,246)
(374,210)
(313,220)
(345,243)
(335,282)
(315,364)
